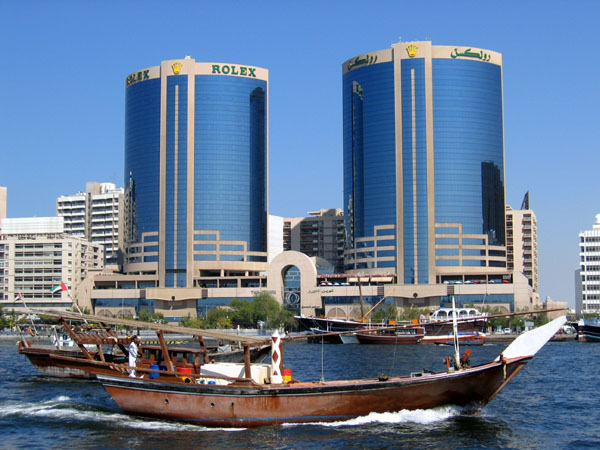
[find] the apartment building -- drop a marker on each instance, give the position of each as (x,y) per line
(522,244)
(36,255)
(588,283)
(320,234)
(96,215)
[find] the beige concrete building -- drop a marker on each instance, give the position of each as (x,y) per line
(35,256)
(522,244)
(322,234)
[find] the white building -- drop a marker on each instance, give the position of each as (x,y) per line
(2,202)
(275,241)
(35,256)
(96,215)
(588,291)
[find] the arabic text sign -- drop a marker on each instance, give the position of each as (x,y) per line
(360,61)
(468,53)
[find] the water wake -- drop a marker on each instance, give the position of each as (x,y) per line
(62,409)
(419,416)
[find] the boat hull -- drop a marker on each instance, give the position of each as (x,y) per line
(408,336)
(40,358)
(242,406)
(431,328)
(474,338)
(588,333)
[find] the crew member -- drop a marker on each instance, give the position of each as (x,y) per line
(133,355)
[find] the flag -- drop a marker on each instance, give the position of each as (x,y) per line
(18,298)
(59,287)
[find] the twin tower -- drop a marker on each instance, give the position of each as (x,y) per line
(423,162)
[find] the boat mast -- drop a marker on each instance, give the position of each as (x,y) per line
(364,318)
(455,332)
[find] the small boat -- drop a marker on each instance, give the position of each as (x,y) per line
(251,395)
(464,338)
(318,336)
(311,323)
(398,335)
(440,321)
(588,330)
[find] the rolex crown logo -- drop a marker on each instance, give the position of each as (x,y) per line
(411,49)
(176,67)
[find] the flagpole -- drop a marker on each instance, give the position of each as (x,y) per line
(28,311)
(63,287)
(76,305)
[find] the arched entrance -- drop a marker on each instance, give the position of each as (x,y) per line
(291,288)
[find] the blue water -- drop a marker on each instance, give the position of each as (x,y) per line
(552,403)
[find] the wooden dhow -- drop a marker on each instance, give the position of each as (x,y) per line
(250,395)
(87,354)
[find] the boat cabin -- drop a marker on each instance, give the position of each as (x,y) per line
(445,314)
(181,357)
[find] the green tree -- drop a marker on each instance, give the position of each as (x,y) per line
(378,316)
(196,322)
(218,318)
(269,311)
(262,308)
(410,313)
(243,313)
(158,318)
(3,319)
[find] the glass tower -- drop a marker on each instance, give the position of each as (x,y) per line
(424,162)
(196,153)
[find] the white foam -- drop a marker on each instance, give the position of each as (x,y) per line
(419,416)
(51,409)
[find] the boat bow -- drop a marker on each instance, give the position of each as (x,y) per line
(530,342)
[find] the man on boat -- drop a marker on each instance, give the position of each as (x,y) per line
(133,355)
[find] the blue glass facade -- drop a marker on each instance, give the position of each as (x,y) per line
(208,142)
(414,172)
(142,153)
(424,132)
(369,152)
(176,182)
(230,160)
(469,148)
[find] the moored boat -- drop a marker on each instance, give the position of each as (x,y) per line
(588,330)
(464,338)
(249,395)
(399,335)
(440,321)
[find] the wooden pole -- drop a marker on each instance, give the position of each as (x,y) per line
(74,337)
(203,348)
(100,352)
(165,350)
(247,368)
(376,305)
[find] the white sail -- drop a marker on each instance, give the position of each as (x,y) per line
(528,343)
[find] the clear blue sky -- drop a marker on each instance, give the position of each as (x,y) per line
(64,64)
